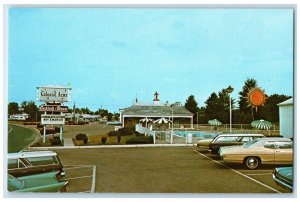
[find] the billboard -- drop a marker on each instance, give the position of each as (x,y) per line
(53,94)
(53,120)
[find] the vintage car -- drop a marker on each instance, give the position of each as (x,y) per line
(33,162)
(43,182)
(260,151)
(230,140)
(283,177)
(204,142)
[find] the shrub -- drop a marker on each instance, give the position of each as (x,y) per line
(82,137)
(77,142)
(57,141)
(112,133)
(126,131)
(139,134)
(103,139)
(140,140)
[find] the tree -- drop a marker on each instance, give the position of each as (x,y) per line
(192,106)
(211,108)
(271,110)
(217,106)
(31,109)
(85,110)
(13,108)
(246,111)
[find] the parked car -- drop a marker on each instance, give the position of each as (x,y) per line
(283,177)
(230,140)
(33,162)
(204,142)
(43,182)
(260,151)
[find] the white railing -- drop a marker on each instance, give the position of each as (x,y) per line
(146,131)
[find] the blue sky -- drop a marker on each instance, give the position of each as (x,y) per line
(110,56)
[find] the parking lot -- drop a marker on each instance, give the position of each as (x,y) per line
(160,170)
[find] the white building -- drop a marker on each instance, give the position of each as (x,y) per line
(19,117)
(286,118)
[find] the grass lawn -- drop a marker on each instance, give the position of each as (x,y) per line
(19,137)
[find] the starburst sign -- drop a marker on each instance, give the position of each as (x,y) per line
(256,97)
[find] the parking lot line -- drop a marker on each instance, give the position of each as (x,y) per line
(94,180)
(246,176)
(258,174)
(74,178)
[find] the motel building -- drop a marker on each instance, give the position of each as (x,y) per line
(19,117)
(177,115)
(286,118)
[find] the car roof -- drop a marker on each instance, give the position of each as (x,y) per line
(28,154)
(240,135)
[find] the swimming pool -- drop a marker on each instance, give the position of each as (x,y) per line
(199,134)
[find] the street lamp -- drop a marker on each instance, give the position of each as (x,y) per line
(229,90)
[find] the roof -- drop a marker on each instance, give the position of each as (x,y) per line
(28,154)
(287,102)
(155,110)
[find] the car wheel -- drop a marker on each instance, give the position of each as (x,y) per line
(252,162)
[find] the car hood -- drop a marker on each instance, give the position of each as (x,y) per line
(287,172)
(28,183)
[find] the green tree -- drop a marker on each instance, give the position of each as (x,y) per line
(211,108)
(246,111)
(192,106)
(217,106)
(31,109)
(270,111)
(13,108)
(85,110)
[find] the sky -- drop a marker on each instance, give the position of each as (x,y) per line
(110,56)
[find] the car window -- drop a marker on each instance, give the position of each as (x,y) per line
(270,145)
(43,160)
(246,139)
(227,139)
(284,145)
(256,137)
(15,163)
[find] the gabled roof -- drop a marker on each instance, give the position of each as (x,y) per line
(287,102)
(154,110)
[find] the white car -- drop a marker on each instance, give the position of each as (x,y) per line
(260,151)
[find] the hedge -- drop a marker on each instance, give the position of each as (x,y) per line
(140,140)
(121,132)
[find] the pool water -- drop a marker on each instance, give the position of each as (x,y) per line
(199,134)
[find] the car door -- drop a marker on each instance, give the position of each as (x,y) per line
(267,154)
(284,153)
(17,167)
(43,164)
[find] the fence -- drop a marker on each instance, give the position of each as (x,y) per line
(81,178)
(167,137)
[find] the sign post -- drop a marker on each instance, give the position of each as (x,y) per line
(53,98)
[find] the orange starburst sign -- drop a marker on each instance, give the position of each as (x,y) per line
(256,97)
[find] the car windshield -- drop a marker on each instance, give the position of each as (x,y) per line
(251,143)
